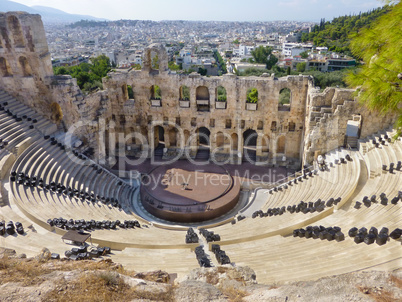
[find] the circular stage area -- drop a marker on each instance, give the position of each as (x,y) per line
(185,192)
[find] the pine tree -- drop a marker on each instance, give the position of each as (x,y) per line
(379,80)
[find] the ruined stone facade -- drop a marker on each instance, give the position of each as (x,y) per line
(141,110)
(25,63)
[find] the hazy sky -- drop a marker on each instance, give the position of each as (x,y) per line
(222,10)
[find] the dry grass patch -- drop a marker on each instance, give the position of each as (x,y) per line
(378,294)
(233,294)
(102,286)
(29,272)
(396,281)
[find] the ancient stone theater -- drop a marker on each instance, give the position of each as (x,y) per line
(127,165)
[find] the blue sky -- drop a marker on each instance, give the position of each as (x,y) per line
(221,10)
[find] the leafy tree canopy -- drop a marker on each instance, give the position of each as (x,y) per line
(89,76)
(335,34)
(379,86)
(263,55)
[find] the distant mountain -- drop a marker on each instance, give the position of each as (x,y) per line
(49,14)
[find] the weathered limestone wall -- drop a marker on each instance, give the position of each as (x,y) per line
(139,114)
(25,63)
(327,116)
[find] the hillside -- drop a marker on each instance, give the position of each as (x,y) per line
(336,34)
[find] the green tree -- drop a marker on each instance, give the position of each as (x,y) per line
(202,71)
(252,95)
(263,55)
(379,79)
(301,67)
(304,54)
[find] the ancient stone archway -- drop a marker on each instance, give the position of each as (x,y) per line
(234,141)
(284,100)
(203,137)
(5,68)
(184,93)
(26,69)
(162,58)
(15,27)
(281,144)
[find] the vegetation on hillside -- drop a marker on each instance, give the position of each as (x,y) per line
(335,34)
(89,75)
(379,79)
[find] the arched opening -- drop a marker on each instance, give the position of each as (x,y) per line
(221,95)
(220,139)
(130,92)
(202,98)
(5,68)
(234,141)
(252,99)
(124,90)
(57,113)
(156,93)
(26,69)
(184,92)
(265,144)
(15,27)
(250,145)
(203,138)
(6,39)
(285,97)
(154,60)
(252,95)
(280,145)
(156,96)
(173,137)
(159,141)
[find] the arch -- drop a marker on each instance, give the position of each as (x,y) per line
(202,93)
(130,92)
(5,68)
(15,27)
(281,144)
(173,137)
(221,95)
(252,96)
(234,141)
(203,136)
(26,69)
(184,93)
(220,139)
(57,113)
(155,59)
(285,99)
(250,138)
(250,145)
(156,93)
(6,39)
(159,135)
(202,97)
(124,90)
(265,143)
